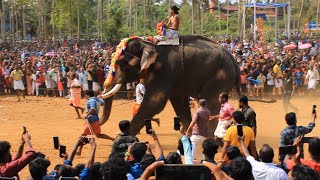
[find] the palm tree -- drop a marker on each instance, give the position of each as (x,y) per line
(301,9)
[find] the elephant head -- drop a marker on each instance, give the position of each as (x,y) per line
(132,57)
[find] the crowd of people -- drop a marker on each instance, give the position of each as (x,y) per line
(265,71)
(132,158)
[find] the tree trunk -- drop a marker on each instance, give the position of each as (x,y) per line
(144,18)
(53,23)
(239,19)
(23,24)
(192,17)
(3,21)
(136,17)
(130,16)
(101,20)
(301,9)
(317,17)
(78,17)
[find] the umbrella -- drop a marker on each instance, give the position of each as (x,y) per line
(51,54)
(290,46)
(305,46)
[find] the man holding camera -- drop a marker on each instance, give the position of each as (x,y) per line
(292,131)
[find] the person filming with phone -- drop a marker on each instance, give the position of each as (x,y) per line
(292,131)
(231,137)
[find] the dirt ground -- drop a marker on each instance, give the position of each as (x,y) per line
(48,117)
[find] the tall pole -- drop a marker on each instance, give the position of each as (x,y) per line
(23,23)
(289,18)
(254,22)
(276,24)
(317,17)
(101,20)
(301,9)
(219,17)
(239,18)
(145,18)
(227,1)
(3,24)
(78,17)
(202,17)
(53,22)
(244,20)
(192,17)
(130,16)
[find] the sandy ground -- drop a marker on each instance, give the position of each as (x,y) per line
(48,117)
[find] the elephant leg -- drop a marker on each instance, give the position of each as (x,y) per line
(181,107)
(153,103)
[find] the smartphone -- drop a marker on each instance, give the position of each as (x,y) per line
(62,150)
(288,150)
(306,139)
(24,130)
(180,171)
(147,122)
(177,125)
(240,130)
(56,142)
(314,109)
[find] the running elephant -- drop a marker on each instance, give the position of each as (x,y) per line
(198,67)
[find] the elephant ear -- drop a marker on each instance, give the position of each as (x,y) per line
(149,55)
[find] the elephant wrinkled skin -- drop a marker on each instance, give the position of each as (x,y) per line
(203,71)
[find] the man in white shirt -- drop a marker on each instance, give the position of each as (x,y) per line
(83,79)
(140,92)
(264,169)
(312,78)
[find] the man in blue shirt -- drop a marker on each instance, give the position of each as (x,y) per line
(92,126)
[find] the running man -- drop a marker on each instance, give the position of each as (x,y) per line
(92,116)
(75,94)
(18,85)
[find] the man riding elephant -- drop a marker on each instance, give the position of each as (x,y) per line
(198,67)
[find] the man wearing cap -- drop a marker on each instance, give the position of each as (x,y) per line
(198,129)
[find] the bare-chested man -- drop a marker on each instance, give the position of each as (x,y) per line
(173,23)
(172,26)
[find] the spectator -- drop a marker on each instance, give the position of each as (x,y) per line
(292,131)
(38,169)
(287,87)
(270,81)
(224,117)
(9,166)
(210,149)
(314,154)
(303,172)
(264,170)
(198,129)
(123,140)
(249,114)
(312,78)
(18,85)
(231,137)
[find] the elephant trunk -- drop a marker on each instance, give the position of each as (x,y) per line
(108,99)
(106,110)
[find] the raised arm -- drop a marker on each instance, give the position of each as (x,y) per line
(243,147)
(158,148)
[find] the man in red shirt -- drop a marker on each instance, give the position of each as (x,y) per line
(11,167)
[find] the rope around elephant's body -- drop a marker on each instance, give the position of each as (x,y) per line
(181,54)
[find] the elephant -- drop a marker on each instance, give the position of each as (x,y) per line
(198,68)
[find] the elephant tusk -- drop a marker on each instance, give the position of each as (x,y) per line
(112,92)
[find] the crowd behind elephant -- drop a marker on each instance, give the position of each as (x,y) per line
(265,71)
(47,68)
